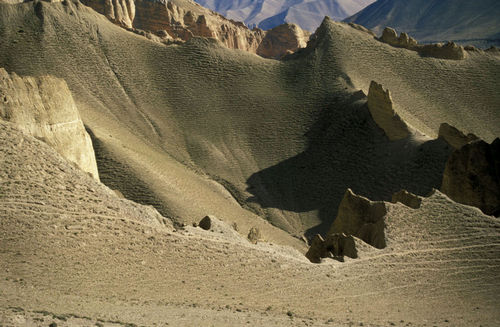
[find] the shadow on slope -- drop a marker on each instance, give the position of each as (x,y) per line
(347,150)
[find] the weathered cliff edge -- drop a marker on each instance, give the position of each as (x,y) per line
(44,107)
(182,19)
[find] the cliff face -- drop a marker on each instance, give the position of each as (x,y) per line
(43,107)
(121,12)
(182,20)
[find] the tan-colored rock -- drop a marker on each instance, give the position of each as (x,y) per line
(282,39)
(381,108)
(120,12)
(44,107)
(408,199)
(362,218)
(389,36)
(183,20)
(472,176)
(317,250)
(454,137)
(335,246)
(450,50)
(254,235)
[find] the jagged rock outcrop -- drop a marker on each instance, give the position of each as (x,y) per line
(44,107)
(408,199)
(381,108)
(121,12)
(449,50)
(472,176)
(454,137)
(362,218)
(390,36)
(336,246)
(182,20)
(281,40)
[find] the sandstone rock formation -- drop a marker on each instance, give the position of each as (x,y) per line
(44,107)
(408,199)
(472,176)
(281,39)
(121,12)
(449,50)
(454,137)
(362,218)
(336,246)
(382,111)
(182,20)
(254,235)
(390,36)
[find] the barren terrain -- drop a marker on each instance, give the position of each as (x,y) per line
(195,129)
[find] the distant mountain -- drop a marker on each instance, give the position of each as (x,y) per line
(463,21)
(267,14)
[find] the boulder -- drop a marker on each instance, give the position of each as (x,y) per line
(381,109)
(389,36)
(282,40)
(254,235)
(206,223)
(454,137)
(44,108)
(408,199)
(472,176)
(362,218)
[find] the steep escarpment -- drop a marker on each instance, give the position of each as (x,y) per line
(183,20)
(44,107)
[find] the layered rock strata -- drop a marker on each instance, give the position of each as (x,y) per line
(44,107)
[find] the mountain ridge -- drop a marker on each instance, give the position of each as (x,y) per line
(266,14)
(461,21)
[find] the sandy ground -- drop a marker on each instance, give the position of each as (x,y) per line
(71,249)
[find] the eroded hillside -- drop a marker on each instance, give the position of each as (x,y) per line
(209,130)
